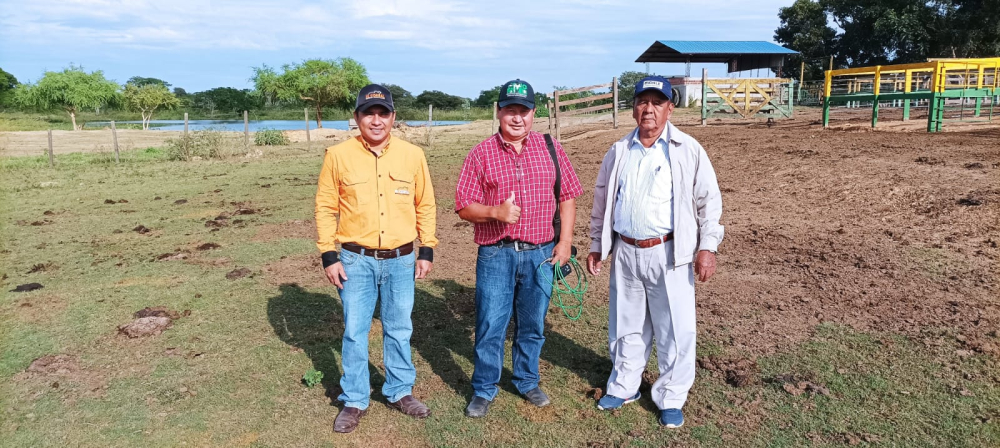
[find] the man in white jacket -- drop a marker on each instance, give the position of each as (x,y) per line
(656,213)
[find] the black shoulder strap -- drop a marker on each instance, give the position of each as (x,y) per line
(557,187)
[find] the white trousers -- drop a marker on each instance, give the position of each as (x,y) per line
(650,300)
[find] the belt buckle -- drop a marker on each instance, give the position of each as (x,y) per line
(517,246)
(375,254)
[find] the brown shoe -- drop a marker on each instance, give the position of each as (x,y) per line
(348,419)
(411,406)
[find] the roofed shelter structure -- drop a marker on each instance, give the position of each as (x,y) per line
(745,96)
(737,55)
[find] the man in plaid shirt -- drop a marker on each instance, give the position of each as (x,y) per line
(506,190)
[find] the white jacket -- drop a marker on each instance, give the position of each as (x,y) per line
(697,200)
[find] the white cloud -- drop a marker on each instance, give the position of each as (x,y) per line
(513,36)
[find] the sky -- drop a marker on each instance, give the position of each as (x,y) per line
(459,47)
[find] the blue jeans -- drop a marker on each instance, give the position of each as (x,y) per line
(507,284)
(368,280)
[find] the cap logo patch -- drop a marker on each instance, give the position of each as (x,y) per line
(375,94)
(517,89)
(652,84)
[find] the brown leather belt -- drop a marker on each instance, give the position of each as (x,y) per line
(379,254)
(648,242)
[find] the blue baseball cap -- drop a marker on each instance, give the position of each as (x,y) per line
(657,83)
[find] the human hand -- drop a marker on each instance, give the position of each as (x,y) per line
(594,263)
(423,268)
(335,273)
(561,253)
(704,265)
(508,212)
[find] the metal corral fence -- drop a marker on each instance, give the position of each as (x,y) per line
(941,89)
(746,97)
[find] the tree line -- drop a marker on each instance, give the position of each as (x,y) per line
(861,33)
(318,84)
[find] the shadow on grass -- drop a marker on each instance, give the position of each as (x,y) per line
(315,323)
(443,328)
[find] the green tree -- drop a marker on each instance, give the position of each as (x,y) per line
(439,99)
(626,85)
(870,32)
(71,89)
(804,28)
(487,97)
(319,82)
(7,84)
(140,81)
(969,28)
(401,98)
(227,100)
(147,98)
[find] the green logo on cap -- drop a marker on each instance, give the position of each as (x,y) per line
(517,89)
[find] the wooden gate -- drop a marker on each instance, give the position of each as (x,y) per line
(556,112)
(746,97)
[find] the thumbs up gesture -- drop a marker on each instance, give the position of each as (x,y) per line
(508,212)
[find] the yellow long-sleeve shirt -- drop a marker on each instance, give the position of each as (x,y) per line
(382,202)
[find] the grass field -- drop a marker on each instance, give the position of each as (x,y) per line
(229,373)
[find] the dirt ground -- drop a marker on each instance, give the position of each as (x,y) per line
(885,230)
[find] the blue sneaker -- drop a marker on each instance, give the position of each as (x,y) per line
(610,402)
(672,418)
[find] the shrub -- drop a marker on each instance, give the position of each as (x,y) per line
(207,144)
(270,137)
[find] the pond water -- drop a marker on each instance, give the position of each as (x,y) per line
(255,125)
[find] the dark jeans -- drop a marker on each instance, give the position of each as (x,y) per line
(506,285)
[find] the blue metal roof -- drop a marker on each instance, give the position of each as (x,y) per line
(733,47)
(738,55)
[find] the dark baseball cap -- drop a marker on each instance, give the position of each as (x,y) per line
(516,92)
(372,95)
(657,83)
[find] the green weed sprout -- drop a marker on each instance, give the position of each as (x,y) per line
(312,377)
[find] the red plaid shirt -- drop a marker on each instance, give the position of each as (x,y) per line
(492,170)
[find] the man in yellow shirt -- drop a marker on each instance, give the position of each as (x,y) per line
(380,189)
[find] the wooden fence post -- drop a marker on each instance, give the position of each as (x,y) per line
(555,111)
(51,161)
(246,129)
(114,138)
(430,124)
(614,115)
(704,96)
(493,125)
(308,140)
(187,141)
(548,105)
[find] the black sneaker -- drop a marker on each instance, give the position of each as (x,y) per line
(478,407)
(537,397)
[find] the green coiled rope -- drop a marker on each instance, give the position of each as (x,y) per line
(566,289)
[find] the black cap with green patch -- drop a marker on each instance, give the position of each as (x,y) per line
(517,92)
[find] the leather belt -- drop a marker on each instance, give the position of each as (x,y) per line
(647,242)
(518,246)
(379,254)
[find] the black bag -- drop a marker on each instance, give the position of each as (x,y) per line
(557,189)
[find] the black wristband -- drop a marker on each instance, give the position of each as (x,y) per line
(425,253)
(330,258)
